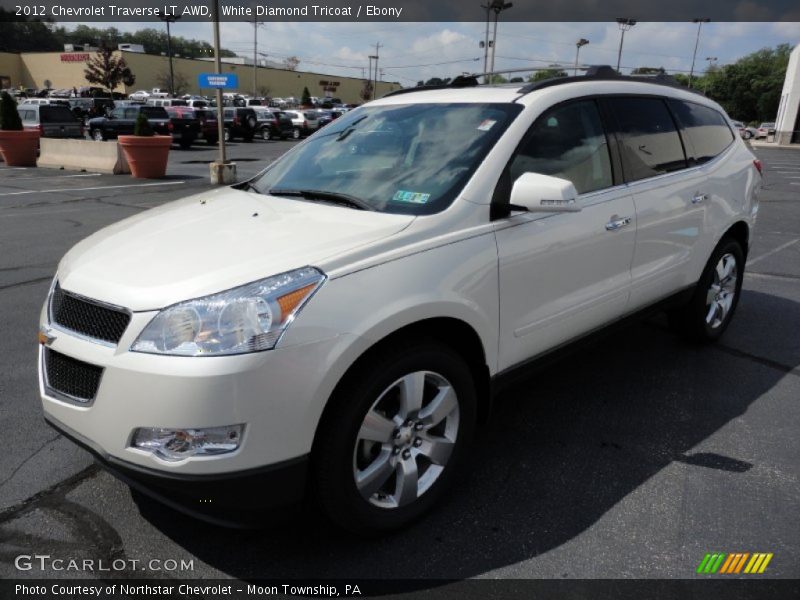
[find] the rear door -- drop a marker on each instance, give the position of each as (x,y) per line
(668,195)
(564,274)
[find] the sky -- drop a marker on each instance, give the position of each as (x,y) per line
(411,52)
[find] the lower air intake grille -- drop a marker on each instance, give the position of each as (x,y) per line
(71,377)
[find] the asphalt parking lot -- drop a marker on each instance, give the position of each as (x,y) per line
(632,458)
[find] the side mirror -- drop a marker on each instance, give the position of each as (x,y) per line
(541,193)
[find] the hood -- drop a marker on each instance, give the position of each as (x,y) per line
(212,242)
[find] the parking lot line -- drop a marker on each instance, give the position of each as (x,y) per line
(87,189)
(56,177)
(753,261)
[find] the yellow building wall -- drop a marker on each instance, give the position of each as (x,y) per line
(11,68)
(279,83)
(36,67)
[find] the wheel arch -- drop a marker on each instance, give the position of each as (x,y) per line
(459,335)
(739,231)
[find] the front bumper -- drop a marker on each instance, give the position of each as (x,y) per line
(232,500)
(278,396)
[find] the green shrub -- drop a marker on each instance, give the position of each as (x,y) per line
(142,127)
(9,117)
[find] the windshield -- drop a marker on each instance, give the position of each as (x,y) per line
(412,158)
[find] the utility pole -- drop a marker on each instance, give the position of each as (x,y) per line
(170,19)
(624,25)
(579,44)
(378,47)
(696,44)
(498,6)
(488,8)
(256,25)
(371,58)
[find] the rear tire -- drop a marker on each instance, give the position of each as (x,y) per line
(384,455)
(296,134)
(709,312)
(98,135)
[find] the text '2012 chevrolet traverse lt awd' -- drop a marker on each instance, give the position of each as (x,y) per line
(333,327)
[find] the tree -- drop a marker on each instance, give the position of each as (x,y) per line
(366,91)
(498,79)
(549,73)
(291,63)
(437,81)
(306,98)
(181,83)
(107,70)
(648,71)
(265,90)
(9,116)
(516,80)
(750,88)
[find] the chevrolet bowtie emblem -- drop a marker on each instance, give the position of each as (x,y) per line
(46,336)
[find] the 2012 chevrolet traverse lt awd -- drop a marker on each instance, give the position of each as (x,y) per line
(333,327)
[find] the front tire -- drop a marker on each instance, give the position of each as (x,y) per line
(395,437)
(98,135)
(709,312)
(296,134)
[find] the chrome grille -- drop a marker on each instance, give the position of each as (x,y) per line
(87,317)
(69,377)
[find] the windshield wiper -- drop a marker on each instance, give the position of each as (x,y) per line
(350,129)
(333,197)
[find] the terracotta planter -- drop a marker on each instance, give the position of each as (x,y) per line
(19,147)
(147,156)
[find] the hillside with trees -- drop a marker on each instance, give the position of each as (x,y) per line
(41,36)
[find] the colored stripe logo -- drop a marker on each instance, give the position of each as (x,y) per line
(735,563)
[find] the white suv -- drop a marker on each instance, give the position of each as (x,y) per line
(335,326)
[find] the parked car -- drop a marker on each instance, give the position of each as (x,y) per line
(240,122)
(185,125)
(139,95)
(764,130)
(209,129)
(166,102)
(89,108)
(745,131)
(323,117)
(305,123)
(273,124)
(337,325)
(52,120)
(122,121)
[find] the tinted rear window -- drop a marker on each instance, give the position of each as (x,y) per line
(55,113)
(706,129)
(155,112)
(650,142)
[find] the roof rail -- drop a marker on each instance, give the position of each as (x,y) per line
(592,73)
(607,73)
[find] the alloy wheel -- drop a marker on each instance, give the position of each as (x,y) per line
(722,291)
(406,439)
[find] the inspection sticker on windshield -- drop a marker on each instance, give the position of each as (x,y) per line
(486,125)
(412,197)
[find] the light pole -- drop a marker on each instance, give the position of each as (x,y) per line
(624,25)
(579,44)
(497,6)
(712,62)
(170,19)
(256,25)
(696,44)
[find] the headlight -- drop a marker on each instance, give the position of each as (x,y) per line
(249,318)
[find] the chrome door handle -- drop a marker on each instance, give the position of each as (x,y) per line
(698,198)
(617,223)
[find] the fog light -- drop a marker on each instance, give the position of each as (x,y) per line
(177,444)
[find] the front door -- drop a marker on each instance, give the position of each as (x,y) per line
(564,274)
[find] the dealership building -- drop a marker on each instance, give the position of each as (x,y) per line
(787,125)
(64,70)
